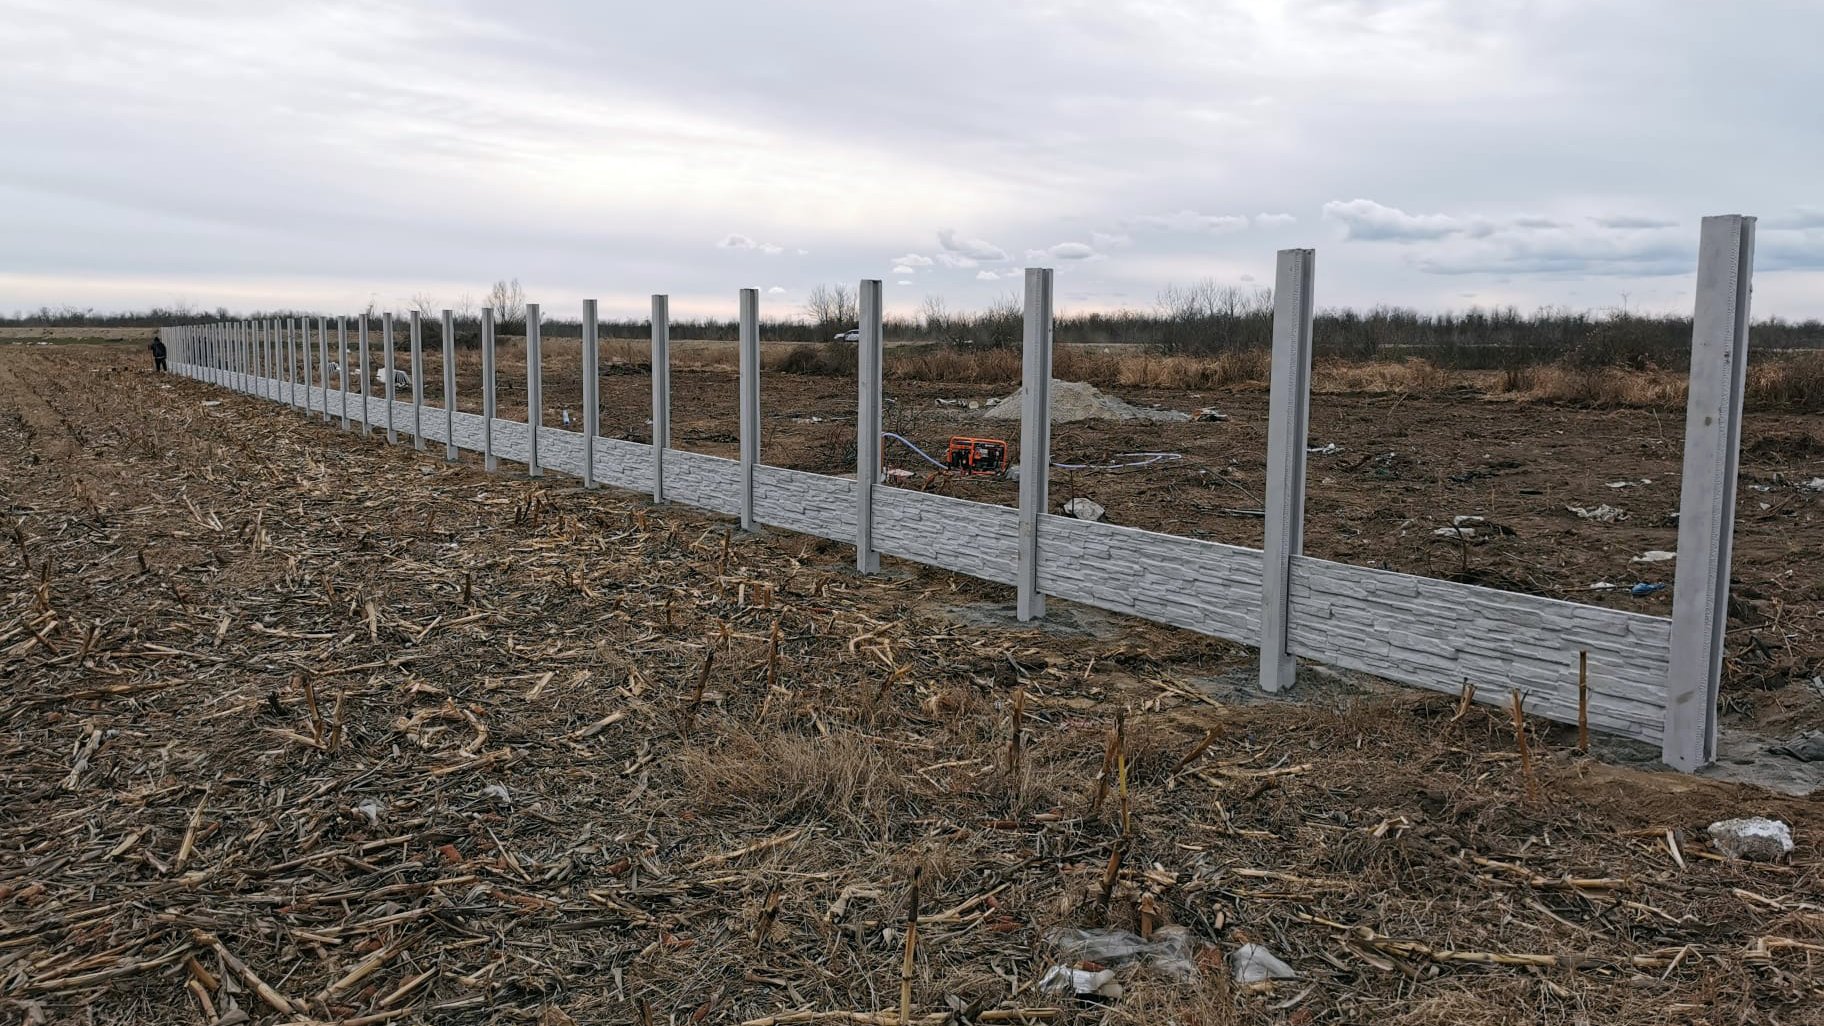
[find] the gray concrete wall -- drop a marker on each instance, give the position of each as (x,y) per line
(707,482)
(952,534)
(807,503)
(1438,634)
(1204,586)
(623,464)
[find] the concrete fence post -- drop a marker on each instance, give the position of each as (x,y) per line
(277,342)
(535,389)
(367,418)
(867,425)
(750,402)
(1706,520)
(290,342)
(244,341)
(417,372)
(1035,438)
(489,460)
(386,359)
(1288,420)
(450,452)
(323,363)
(342,368)
(661,391)
(256,337)
(591,411)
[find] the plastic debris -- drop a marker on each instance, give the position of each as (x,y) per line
(1210,414)
(1172,949)
(1643,589)
(1631,484)
(566,418)
(1085,509)
(498,792)
(1816,484)
(1654,556)
(1806,747)
(898,474)
(1327,449)
(1754,838)
(1081,982)
(1252,963)
(1603,514)
(1602,586)
(212,402)
(370,811)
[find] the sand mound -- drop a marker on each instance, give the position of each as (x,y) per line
(1080,400)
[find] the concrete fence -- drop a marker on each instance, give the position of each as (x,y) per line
(1651,678)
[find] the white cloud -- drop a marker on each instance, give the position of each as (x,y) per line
(1189,221)
(1063,251)
(973,249)
(771,249)
(1633,221)
(957,261)
(902,281)
(903,269)
(736,242)
(912,260)
(1110,240)
(986,276)
(1801,217)
(1368,221)
(1274,220)
(776,290)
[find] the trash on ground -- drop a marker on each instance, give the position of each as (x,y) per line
(949,402)
(1080,400)
(807,420)
(1328,449)
(1754,838)
(1816,484)
(1603,514)
(1253,963)
(566,418)
(1602,586)
(898,474)
(1081,982)
(1643,589)
(370,811)
(498,792)
(1631,484)
(1172,949)
(1654,556)
(1210,414)
(212,402)
(1806,747)
(1085,509)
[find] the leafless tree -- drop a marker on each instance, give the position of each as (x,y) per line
(831,306)
(465,307)
(508,300)
(425,304)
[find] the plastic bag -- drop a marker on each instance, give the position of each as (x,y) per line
(1172,949)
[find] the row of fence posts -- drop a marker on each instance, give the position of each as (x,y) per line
(237,353)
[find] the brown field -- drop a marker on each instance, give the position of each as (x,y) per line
(299,727)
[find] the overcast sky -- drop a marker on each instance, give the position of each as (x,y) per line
(1437,153)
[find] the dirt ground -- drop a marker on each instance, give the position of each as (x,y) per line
(300,728)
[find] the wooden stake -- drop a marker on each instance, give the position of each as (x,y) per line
(1526,752)
(1583,701)
(906,963)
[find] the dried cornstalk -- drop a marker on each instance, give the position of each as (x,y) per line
(1019,725)
(911,952)
(1526,753)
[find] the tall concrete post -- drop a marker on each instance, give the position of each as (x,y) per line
(450,452)
(750,402)
(489,460)
(1035,439)
(535,389)
(276,341)
(323,362)
(387,344)
(591,412)
(362,375)
(661,391)
(1288,420)
(867,424)
(1706,520)
(342,368)
(417,371)
(291,361)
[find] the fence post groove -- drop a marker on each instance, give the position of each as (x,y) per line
(661,391)
(535,390)
(591,411)
(450,452)
(867,424)
(1706,522)
(750,402)
(1288,422)
(1035,438)
(417,361)
(489,460)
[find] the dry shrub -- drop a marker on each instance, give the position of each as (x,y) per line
(1796,382)
(787,777)
(972,366)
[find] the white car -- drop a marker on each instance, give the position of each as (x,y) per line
(851,335)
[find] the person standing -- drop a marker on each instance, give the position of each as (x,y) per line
(158,353)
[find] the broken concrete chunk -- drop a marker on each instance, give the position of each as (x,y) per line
(1085,509)
(1754,838)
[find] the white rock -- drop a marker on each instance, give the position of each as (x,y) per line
(1252,963)
(1754,838)
(1085,509)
